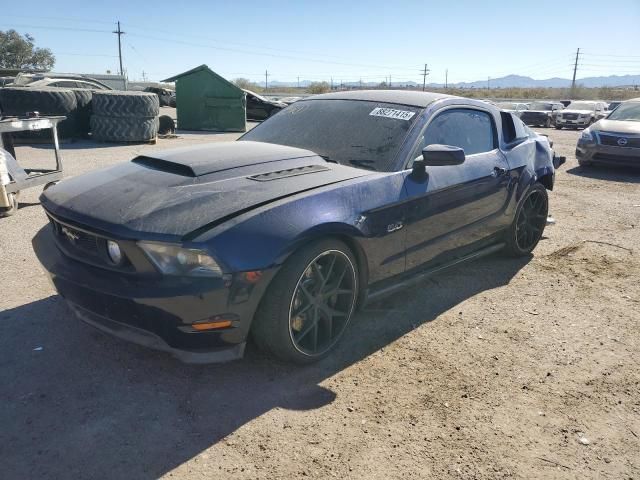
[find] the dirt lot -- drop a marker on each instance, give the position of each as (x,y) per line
(500,369)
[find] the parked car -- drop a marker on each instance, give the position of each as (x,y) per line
(613,105)
(614,140)
(513,107)
(4,81)
(541,114)
(289,100)
(337,200)
(39,81)
(581,114)
(261,108)
(166,97)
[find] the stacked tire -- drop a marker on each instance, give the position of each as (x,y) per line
(124,116)
(16,102)
(84,99)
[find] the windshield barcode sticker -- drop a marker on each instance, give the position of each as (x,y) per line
(391,113)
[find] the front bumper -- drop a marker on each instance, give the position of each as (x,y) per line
(157,311)
(603,154)
(579,122)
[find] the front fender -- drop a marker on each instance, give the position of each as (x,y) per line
(359,211)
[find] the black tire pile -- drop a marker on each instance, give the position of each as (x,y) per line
(110,116)
(48,101)
(124,116)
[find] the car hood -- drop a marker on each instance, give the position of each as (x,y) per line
(170,195)
(617,126)
(537,111)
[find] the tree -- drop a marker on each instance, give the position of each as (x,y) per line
(246,84)
(20,52)
(319,87)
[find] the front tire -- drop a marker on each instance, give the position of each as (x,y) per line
(548,123)
(529,222)
(558,127)
(309,304)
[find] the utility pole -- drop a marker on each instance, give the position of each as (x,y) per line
(298,81)
(424,72)
(331,85)
(446,78)
(575,69)
(488,83)
(119,33)
(144,76)
(361,83)
(266,81)
(390,81)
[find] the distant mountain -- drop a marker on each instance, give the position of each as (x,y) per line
(510,81)
(518,81)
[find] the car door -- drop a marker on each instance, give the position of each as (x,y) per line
(456,206)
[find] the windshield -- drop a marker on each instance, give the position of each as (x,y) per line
(628,111)
(350,132)
(506,106)
(540,106)
(581,106)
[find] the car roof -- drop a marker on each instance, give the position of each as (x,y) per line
(402,97)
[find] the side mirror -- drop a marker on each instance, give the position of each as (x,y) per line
(439,155)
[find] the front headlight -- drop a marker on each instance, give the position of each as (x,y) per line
(586,135)
(175,260)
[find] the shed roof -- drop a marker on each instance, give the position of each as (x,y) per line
(204,68)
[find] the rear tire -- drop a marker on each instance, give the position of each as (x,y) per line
(584,163)
(309,304)
(529,221)
(558,127)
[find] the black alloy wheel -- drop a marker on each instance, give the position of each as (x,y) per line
(308,305)
(322,302)
(529,222)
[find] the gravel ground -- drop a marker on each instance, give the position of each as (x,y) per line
(500,369)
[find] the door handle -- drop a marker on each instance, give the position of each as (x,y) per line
(499,171)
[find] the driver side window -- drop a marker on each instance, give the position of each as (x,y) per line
(471,130)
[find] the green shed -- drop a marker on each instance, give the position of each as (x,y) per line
(206,101)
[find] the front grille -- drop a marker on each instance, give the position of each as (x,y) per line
(84,246)
(570,116)
(612,140)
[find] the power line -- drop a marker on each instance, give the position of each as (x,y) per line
(72,29)
(70,19)
(85,54)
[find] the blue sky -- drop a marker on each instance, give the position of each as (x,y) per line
(346,40)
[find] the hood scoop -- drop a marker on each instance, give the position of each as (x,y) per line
(291,172)
(217,157)
(165,166)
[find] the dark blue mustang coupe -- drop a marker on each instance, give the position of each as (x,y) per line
(336,200)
